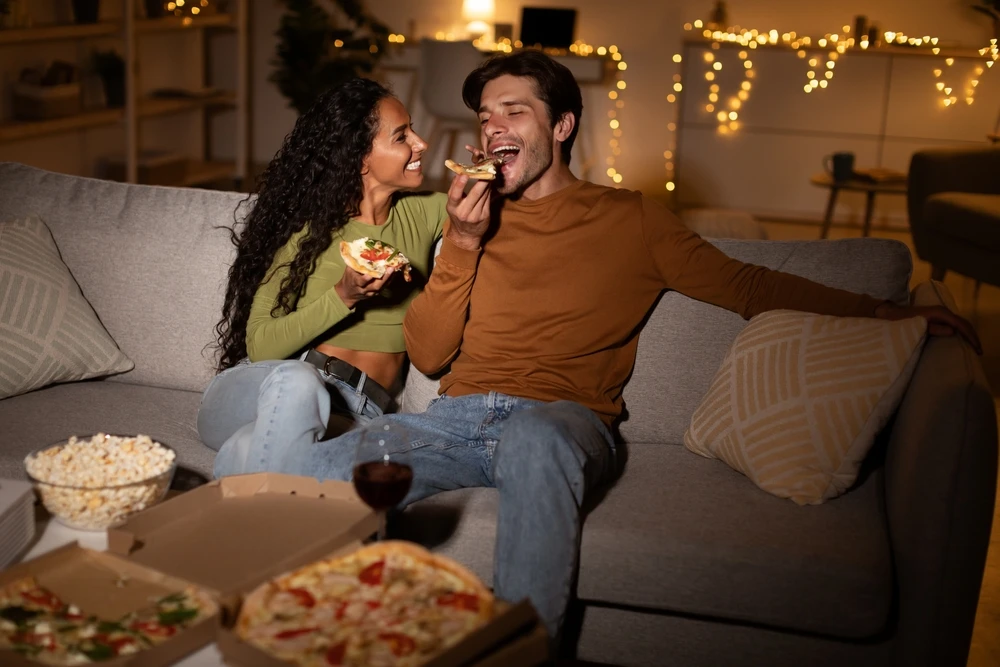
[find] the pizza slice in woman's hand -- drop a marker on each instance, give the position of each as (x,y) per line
(371,257)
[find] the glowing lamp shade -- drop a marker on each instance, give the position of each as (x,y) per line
(478,15)
(478,10)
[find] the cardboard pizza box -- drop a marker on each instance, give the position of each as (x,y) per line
(514,637)
(109,586)
(230,535)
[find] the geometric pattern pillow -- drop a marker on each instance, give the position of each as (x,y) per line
(48,331)
(799,399)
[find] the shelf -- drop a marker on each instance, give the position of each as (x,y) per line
(55,32)
(201,173)
(20,130)
(185,23)
(160,106)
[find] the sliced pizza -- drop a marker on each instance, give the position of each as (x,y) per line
(372,257)
(38,625)
(390,603)
(483,170)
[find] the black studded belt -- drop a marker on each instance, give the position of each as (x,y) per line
(348,373)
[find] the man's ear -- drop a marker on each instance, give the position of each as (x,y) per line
(564,127)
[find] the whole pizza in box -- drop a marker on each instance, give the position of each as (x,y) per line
(391,603)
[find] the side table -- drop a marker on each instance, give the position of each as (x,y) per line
(870,188)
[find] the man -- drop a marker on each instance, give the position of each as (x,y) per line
(536,302)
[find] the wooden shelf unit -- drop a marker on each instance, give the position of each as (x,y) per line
(130,29)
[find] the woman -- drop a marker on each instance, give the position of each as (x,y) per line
(310,347)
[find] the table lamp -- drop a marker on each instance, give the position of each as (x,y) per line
(478,14)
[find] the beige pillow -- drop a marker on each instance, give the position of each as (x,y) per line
(799,399)
(48,331)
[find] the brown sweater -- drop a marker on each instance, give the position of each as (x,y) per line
(550,307)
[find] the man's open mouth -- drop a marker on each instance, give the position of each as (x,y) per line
(506,152)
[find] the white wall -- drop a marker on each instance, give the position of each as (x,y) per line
(648,32)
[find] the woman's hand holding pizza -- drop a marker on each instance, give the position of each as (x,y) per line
(469,212)
(355,287)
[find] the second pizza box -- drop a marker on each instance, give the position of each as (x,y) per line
(109,587)
(230,535)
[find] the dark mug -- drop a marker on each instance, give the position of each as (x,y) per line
(840,166)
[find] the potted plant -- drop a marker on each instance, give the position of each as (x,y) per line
(317,50)
(992,9)
(110,66)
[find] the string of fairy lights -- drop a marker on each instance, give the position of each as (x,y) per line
(821,56)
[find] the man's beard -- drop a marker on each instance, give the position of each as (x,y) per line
(534,161)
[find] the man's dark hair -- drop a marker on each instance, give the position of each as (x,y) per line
(554,85)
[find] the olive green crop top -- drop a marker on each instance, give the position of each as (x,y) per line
(414,226)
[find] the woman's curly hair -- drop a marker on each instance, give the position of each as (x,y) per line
(314,178)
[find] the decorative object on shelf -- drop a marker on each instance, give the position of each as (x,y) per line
(317,50)
(719,16)
(110,66)
(155,9)
(86,11)
(14,14)
(992,9)
(44,95)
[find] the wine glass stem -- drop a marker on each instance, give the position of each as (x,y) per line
(381,525)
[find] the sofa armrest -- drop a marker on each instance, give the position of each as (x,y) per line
(950,170)
(940,486)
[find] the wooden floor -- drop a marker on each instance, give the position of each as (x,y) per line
(984,312)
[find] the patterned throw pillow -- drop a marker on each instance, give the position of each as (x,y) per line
(48,331)
(799,399)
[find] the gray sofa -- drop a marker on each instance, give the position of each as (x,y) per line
(684,562)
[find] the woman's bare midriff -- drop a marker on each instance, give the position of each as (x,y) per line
(383,367)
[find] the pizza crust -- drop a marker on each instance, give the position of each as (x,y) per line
(464,169)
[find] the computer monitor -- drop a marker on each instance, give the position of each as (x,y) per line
(548,27)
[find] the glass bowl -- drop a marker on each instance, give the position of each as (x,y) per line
(95,503)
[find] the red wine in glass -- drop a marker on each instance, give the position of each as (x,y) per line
(382,484)
(382,473)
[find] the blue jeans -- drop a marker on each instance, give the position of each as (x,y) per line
(543,459)
(277,404)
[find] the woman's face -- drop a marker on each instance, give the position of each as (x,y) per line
(394,162)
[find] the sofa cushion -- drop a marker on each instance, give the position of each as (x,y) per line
(49,415)
(965,215)
(48,331)
(684,341)
(683,534)
(151,260)
(799,399)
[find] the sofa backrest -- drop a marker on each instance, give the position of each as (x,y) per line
(683,343)
(150,260)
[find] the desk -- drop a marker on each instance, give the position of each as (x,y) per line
(870,188)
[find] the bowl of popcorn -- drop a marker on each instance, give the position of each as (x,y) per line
(96,482)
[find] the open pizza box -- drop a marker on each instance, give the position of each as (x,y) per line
(109,587)
(231,535)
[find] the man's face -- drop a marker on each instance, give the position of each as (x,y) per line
(515,124)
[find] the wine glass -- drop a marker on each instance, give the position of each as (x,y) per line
(382,472)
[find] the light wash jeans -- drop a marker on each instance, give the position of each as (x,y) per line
(276,404)
(543,458)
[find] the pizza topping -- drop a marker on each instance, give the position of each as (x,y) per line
(292,634)
(462,601)
(42,598)
(399,643)
(18,615)
(335,656)
(372,575)
(154,629)
(304,597)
